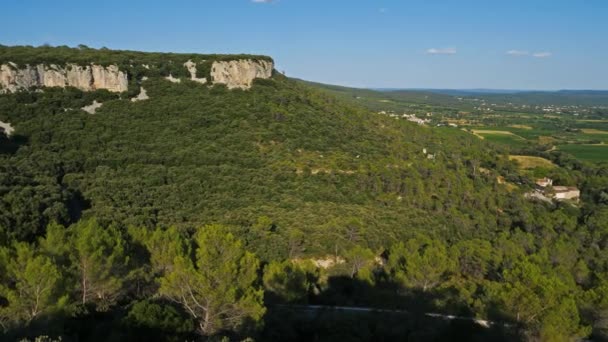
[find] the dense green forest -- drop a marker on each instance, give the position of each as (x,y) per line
(204,212)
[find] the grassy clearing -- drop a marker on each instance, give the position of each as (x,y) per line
(483,133)
(593,131)
(529,162)
(592,153)
(507,140)
(521,126)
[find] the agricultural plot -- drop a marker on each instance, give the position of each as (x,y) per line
(593,131)
(500,137)
(592,153)
(529,162)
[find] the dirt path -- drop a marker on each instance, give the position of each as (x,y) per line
(480,322)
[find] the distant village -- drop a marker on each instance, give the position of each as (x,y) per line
(576,110)
(408,117)
(546,191)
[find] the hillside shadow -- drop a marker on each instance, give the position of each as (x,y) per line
(10,145)
(349,309)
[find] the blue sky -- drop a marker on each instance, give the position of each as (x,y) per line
(507,44)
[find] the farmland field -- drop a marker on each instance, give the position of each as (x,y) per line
(530,126)
(593,131)
(592,153)
(528,162)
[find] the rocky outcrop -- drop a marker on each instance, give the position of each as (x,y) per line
(191,66)
(240,73)
(86,78)
(7,128)
(172,79)
(143,95)
(92,108)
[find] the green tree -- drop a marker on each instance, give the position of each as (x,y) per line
(31,284)
(542,302)
(55,244)
(419,263)
(100,260)
(157,321)
(360,262)
(219,288)
(164,246)
(289,281)
(475,258)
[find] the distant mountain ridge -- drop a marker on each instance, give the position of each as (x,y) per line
(450,97)
(532,97)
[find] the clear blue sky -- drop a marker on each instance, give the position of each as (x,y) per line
(508,44)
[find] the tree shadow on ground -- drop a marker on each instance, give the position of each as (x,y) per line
(10,145)
(335,314)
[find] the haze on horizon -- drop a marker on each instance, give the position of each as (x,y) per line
(518,44)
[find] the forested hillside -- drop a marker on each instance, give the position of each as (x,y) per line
(203,211)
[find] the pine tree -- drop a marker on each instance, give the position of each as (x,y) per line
(31,284)
(219,288)
(419,263)
(100,260)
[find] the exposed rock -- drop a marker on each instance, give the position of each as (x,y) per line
(12,79)
(86,78)
(143,95)
(8,129)
(92,107)
(109,78)
(240,73)
(191,66)
(52,76)
(328,262)
(173,79)
(234,74)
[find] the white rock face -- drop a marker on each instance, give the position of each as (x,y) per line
(87,78)
(92,107)
(240,73)
(191,66)
(143,95)
(8,129)
(170,78)
(234,74)
(12,79)
(109,78)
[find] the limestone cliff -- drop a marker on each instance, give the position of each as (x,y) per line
(86,78)
(234,74)
(240,73)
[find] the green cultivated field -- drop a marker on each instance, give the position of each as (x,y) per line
(510,140)
(593,153)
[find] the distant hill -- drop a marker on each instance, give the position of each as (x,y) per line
(308,156)
(389,99)
(394,99)
(560,97)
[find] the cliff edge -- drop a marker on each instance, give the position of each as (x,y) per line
(25,68)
